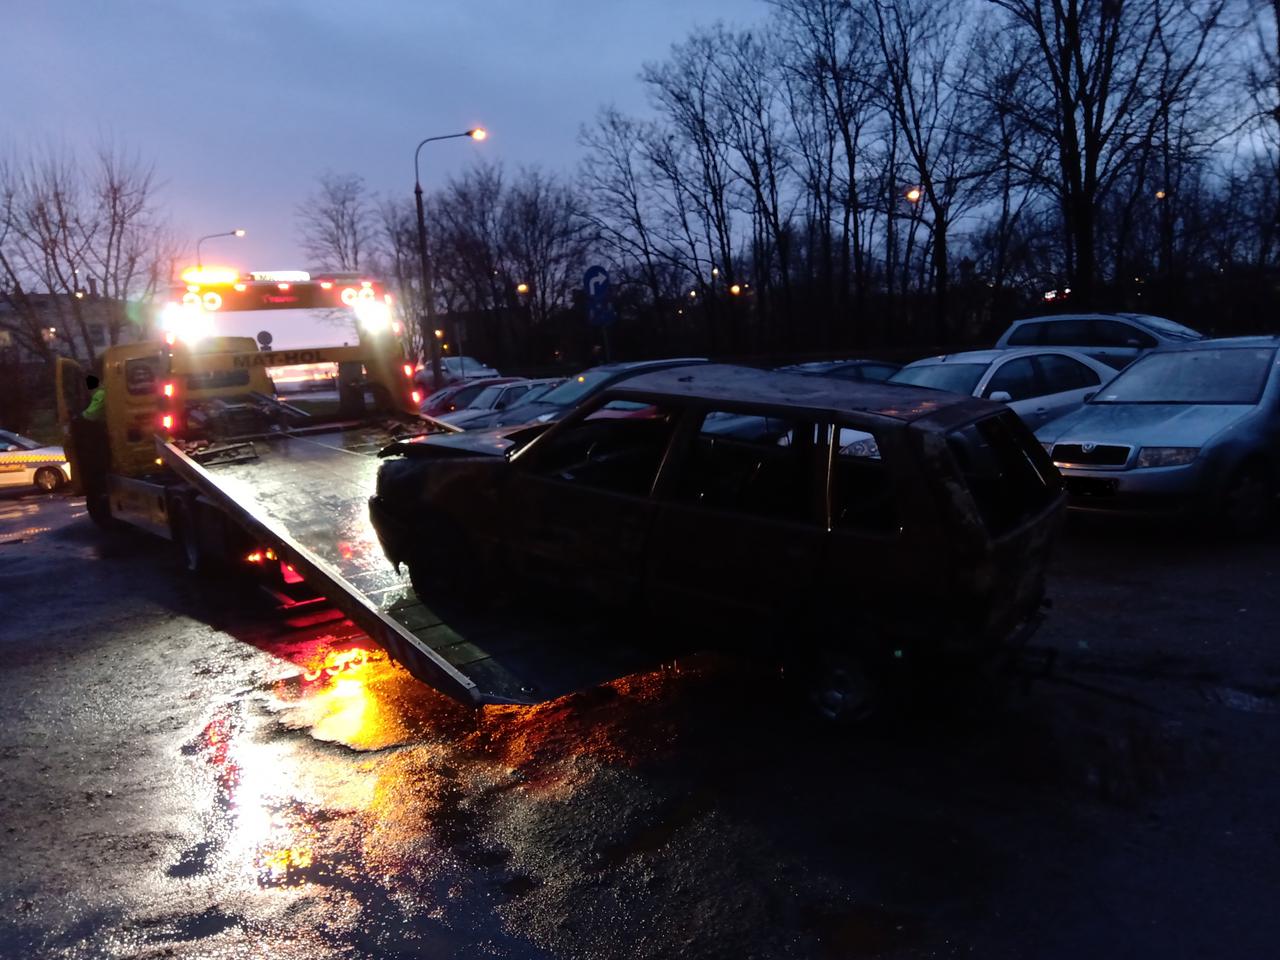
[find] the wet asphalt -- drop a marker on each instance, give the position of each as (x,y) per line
(188,772)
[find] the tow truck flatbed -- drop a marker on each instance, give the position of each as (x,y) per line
(305,494)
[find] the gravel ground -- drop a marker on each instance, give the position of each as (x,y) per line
(188,773)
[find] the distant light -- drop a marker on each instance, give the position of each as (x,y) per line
(479,133)
(715,271)
(238,233)
(439,334)
(79,294)
(693,294)
(914,194)
(1051,294)
(522,288)
(1160,194)
(735,289)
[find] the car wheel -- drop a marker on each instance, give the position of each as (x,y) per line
(843,691)
(1248,502)
(48,479)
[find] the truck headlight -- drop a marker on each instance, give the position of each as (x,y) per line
(1166,456)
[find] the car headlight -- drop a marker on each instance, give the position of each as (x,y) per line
(1166,456)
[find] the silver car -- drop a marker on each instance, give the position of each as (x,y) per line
(500,396)
(1194,428)
(1116,339)
(1038,385)
(25,462)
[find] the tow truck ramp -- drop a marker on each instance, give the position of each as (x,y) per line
(305,494)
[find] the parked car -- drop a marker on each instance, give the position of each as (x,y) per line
(1038,385)
(858,370)
(557,402)
(499,396)
(455,369)
(458,395)
(1114,338)
(1192,429)
(930,517)
(25,462)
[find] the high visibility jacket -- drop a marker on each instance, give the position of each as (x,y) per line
(94,410)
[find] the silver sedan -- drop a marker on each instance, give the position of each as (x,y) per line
(1037,384)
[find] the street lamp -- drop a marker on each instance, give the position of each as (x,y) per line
(522,288)
(428,320)
(230,233)
(913,195)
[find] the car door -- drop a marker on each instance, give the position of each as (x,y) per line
(578,506)
(1019,379)
(13,471)
(1065,383)
(737,532)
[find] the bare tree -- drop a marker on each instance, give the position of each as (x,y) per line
(80,246)
(337,223)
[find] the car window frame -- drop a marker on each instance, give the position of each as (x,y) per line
(998,365)
(1042,375)
(833,451)
(526,458)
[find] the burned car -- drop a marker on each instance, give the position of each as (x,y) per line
(855,526)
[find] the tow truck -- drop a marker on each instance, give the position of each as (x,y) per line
(246,455)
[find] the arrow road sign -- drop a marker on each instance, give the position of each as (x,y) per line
(595,283)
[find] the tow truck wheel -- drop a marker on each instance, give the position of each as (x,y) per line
(842,690)
(48,479)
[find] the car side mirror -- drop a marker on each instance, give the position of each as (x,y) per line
(1000,396)
(1090,395)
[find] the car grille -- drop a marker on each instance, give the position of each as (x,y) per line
(1102,455)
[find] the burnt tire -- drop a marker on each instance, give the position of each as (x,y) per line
(1248,502)
(49,479)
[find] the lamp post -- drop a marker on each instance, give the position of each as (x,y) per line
(210,236)
(427,322)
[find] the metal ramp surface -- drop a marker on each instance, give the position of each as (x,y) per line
(307,495)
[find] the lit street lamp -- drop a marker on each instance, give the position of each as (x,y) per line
(913,195)
(210,236)
(428,320)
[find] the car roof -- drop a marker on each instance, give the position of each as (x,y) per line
(1008,353)
(1262,340)
(724,383)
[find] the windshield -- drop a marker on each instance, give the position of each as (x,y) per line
(955,377)
(458,364)
(534,393)
(1228,375)
(487,397)
(575,388)
(18,440)
(1174,331)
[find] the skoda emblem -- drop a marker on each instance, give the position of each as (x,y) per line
(1088,447)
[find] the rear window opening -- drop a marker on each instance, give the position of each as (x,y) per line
(1009,476)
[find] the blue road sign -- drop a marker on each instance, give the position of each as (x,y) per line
(595,284)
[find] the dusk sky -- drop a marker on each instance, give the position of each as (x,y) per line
(242,104)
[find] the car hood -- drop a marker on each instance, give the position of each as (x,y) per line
(1149,424)
(492,443)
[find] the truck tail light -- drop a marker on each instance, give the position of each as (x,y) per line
(168,390)
(408,369)
(289,574)
(416,396)
(167,421)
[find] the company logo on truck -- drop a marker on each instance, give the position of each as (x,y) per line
(283,358)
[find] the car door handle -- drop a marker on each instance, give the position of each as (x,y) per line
(1042,409)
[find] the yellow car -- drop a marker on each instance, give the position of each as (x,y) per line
(25,462)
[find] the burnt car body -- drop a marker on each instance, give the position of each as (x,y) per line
(869,522)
